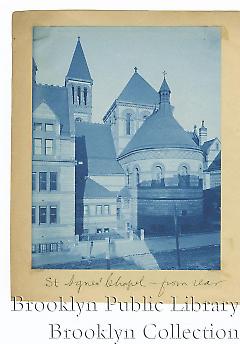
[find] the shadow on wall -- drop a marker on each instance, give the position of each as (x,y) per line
(157,199)
(81,173)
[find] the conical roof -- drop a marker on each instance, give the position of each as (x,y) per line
(164,87)
(78,69)
(138,91)
(160,130)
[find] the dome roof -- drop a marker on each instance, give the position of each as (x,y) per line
(160,130)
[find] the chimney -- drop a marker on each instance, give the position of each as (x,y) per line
(202,134)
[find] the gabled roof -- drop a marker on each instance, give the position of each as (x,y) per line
(43,109)
(95,142)
(138,91)
(216,164)
(56,98)
(94,190)
(207,145)
(78,69)
(160,130)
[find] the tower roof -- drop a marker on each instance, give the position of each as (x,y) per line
(138,91)
(164,87)
(160,130)
(78,69)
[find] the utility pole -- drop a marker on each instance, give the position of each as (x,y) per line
(176,229)
(108,253)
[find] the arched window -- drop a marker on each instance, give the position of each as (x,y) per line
(79,95)
(128,178)
(128,124)
(136,176)
(73,96)
(85,95)
(158,176)
(183,177)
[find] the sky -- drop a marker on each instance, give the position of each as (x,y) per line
(189,55)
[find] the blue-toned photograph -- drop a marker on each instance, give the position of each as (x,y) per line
(126,148)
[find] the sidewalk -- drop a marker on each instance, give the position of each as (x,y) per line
(137,251)
(186,241)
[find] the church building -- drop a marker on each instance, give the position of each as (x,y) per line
(138,169)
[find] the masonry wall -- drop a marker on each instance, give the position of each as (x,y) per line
(92,222)
(117,119)
(153,207)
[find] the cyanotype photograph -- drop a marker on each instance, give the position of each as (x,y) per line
(126,148)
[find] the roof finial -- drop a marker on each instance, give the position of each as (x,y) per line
(164,73)
(78,38)
(135,69)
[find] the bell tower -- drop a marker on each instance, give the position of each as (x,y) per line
(79,85)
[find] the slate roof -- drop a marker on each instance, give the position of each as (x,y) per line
(160,130)
(138,91)
(56,98)
(98,148)
(78,69)
(95,190)
(207,145)
(193,136)
(164,86)
(216,164)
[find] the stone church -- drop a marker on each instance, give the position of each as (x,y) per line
(139,169)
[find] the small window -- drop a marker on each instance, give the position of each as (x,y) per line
(128,124)
(53,247)
(184,177)
(42,181)
(118,213)
(98,210)
(184,212)
(34,248)
(53,214)
(217,146)
(48,147)
(137,176)
(79,95)
(85,95)
(49,127)
(37,148)
(106,230)
(42,215)
(99,230)
(86,210)
(128,178)
(42,248)
(33,214)
(158,177)
(53,181)
(34,181)
(73,97)
(37,126)
(106,209)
